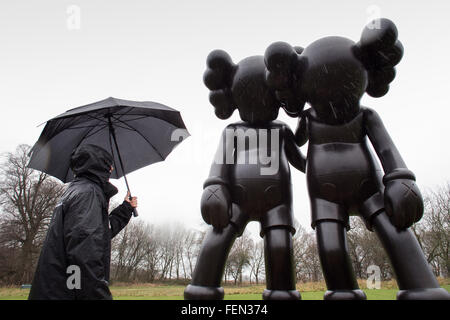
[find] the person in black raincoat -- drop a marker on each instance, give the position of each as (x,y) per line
(75,258)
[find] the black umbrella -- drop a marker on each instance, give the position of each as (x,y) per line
(136,133)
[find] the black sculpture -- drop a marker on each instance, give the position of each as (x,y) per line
(343,177)
(240,189)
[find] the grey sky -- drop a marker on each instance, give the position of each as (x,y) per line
(156,50)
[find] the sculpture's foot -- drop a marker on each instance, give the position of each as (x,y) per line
(193,292)
(281,295)
(344,295)
(424,294)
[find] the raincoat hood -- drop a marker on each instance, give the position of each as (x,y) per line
(94,163)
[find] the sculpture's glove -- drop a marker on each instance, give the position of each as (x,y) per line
(216,205)
(402,198)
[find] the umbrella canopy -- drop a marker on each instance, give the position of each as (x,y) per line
(136,134)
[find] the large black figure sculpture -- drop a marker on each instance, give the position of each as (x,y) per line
(249,179)
(343,177)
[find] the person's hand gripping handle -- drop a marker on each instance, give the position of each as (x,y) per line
(133,202)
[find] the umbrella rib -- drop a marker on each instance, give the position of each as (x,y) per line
(99,119)
(145,116)
(124,114)
(95,132)
(104,125)
(123,127)
(81,127)
(134,129)
(139,116)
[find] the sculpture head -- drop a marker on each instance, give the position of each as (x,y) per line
(240,86)
(333,73)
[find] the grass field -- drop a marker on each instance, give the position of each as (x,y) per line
(309,291)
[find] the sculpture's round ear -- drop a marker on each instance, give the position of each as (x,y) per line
(380,51)
(218,78)
(282,68)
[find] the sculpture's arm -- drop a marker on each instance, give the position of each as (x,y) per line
(301,133)
(402,198)
(384,146)
(216,200)
(293,153)
(218,174)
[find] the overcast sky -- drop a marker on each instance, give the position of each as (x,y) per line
(56,55)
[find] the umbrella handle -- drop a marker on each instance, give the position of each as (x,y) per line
(135,213)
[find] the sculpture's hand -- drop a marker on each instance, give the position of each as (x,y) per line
(216,205)
(403,202)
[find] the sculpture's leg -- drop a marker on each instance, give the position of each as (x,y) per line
(335,260)
(414,276)
(280,275)
(205,284)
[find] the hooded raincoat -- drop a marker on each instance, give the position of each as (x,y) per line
(75,258)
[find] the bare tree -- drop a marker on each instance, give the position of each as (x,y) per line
(167,251)
(365,249)
(307,263)
(256,260)
(239,257)
(27,200)
(300,248)
(152,256)
(146,252)
(185,247)
(179,237)
(192,244)
(355,240)
(433,231)
(129,250)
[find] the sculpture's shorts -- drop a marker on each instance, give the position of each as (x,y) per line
(265,200)
(326,210)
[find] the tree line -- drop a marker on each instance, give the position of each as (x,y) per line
(144,252)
